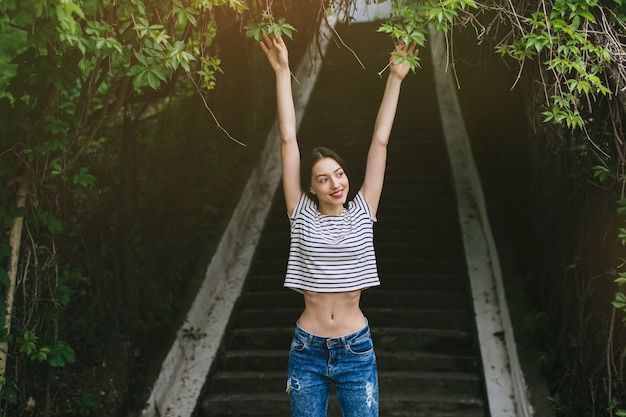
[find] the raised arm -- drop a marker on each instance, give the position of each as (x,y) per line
(377,156)
(277,55)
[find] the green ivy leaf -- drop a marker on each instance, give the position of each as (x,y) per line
(61,354)
(601,172)
(27,343)
(622,235)
(621,280)
(53,224)
(620,413)
(254,30)
(8,392)
(587,15)
(619,301)
(84,178)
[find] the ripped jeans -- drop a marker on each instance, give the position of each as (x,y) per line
(347,361)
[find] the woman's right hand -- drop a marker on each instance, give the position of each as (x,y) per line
(401,70)
(276,52)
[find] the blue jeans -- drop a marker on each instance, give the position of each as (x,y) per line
(348,361)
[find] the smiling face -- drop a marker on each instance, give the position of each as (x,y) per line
(329,183)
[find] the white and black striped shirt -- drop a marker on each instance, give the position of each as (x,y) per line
(331,253)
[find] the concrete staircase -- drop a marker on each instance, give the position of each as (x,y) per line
(421,317)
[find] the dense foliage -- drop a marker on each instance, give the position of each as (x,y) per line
(117,176)
(106,169)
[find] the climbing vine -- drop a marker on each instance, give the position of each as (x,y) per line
(575,51)
(76,71)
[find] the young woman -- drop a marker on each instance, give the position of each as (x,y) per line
(331,257)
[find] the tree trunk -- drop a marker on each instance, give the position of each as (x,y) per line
(15,240)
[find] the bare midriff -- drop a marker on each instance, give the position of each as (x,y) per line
(332,314)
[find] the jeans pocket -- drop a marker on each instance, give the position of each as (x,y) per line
(298,344)
(362,346)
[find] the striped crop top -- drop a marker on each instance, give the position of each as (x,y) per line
(331,253)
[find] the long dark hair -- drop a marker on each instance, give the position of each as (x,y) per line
(311,158)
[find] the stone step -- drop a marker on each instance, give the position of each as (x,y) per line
(384,232)
(396,360)
(386,264)
(397,265)
(452,342)
(391,232)
(279,250)
(383,297)
(397,382)
(436,318)
(406,218)
(404,281)
(419,404)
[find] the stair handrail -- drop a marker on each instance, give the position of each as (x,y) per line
(507,392)
(189,360)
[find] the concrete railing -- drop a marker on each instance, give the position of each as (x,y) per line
(186,367)
(506,388)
